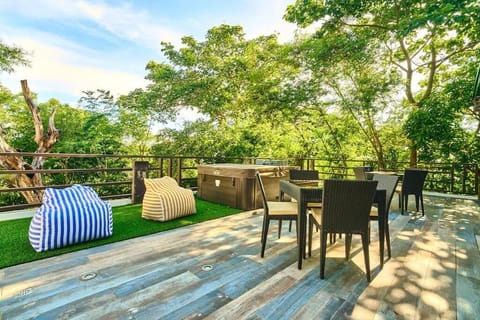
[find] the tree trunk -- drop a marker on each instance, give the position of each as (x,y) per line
(45,142)
(413,156)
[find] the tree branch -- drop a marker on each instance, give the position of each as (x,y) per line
(390,56)
(409,73)
(465,48)
(44,141)
(422,46)
(433,68)
(37,121)
(365,25)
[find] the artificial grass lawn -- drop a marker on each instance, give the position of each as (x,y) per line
(127,224)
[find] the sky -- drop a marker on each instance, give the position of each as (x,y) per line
(79,45)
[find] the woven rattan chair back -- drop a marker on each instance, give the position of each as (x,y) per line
(387,182)
(413,180)
(346,209)
(412,183)
(262,192)
(360,173)
(346,205)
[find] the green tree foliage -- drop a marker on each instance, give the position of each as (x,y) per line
(17,121)
(344,75)
(100,101)
(241,86)
(225,76)
(136,126)
(446,126)
(420,38)
(11,56)
(82,132)
(129,125)
(334,94)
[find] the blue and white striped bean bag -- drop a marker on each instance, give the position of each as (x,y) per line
(67,216)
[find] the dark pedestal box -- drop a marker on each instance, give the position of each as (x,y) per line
(235,185)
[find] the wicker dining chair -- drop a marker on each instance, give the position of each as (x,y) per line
(345,209)
(412,183)
(387,182)
(302,177)
(274,210)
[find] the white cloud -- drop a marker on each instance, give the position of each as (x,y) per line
(121,21)
(55,69)
(127,22)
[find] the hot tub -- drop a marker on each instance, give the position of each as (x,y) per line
(235,185)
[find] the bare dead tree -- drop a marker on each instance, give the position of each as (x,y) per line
(44,141)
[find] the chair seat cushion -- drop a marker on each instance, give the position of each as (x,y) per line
(316,213)
(314,204)
(282,208)
(374,212)
(165,200)
(310,204)
(68,216)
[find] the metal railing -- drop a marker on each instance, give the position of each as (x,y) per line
(111,175)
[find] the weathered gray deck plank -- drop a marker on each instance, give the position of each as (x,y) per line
(467,262)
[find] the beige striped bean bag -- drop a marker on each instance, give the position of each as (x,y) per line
(165,200)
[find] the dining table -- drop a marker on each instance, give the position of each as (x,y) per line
(312,191)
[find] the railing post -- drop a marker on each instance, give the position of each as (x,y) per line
(140,172)
(179,171)
(161,167)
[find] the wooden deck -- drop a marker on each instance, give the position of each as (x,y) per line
(434,274)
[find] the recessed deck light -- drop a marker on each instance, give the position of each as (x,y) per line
(207,267)
(88,276)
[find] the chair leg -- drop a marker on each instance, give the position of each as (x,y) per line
(333,237)
(266,223)
(366,255)
(421,201)
(323,252)
(290,226)
(417,202)
(400,203)
(348,245)
(404,203)
(310,237)
(369,240)
(387,234)
(279,228)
